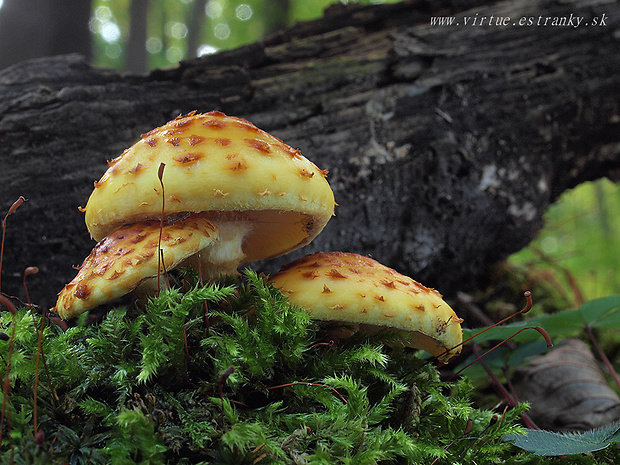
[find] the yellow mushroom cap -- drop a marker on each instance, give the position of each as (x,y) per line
(129,256)
(225,168)
(351,288)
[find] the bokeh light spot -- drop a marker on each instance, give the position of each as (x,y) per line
(244,12)
(221,31)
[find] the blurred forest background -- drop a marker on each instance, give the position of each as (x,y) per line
(578,251)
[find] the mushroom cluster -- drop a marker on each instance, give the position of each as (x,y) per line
(261,198)
(230,194)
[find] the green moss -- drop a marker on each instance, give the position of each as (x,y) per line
(260,385)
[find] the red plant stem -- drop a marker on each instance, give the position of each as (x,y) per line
(511,389)
(160,175)
(33,270)
(223,377)
(12,209)
(528,306)
(7,380)
(468,428)
(27,272)
(503,391)
(8,304)
(318,344)
(301,383)
(207,323)
(477,359)
(493,420)
(601,354)
(185,344)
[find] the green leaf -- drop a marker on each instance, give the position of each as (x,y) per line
(550,443)
(600,313)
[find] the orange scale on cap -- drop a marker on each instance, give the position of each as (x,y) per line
(335,274)
(82,291)
(183,123)
(115,275)
(138,238)
(195,140)
(259,145)
(238,167)
(246,125)
(215,124)
(136,169)
(150,133)
(188,158)
(114,161)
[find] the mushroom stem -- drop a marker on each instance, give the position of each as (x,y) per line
(149,288)
(225,255)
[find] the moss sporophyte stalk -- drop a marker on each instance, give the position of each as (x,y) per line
(261,385)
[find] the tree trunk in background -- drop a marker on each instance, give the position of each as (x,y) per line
(135,51)
(195,25)
(38,28)
(277,14)
(445,145)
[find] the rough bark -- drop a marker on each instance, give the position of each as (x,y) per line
(445,145)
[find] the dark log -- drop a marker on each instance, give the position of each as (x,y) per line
(445,144)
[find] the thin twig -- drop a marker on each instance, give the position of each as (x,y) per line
(504,392)
(603,356)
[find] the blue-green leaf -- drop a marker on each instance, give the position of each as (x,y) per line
(550,443)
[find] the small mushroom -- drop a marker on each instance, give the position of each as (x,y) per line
(265,198)
(354,289)
(129,256)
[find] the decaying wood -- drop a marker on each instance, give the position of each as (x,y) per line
(445,145)
(567,390)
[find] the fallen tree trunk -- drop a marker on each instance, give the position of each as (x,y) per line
(445,144)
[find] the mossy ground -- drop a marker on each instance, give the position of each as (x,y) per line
(259,384)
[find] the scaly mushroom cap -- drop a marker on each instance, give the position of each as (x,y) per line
(129,256)
(225,168)
(351,288)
